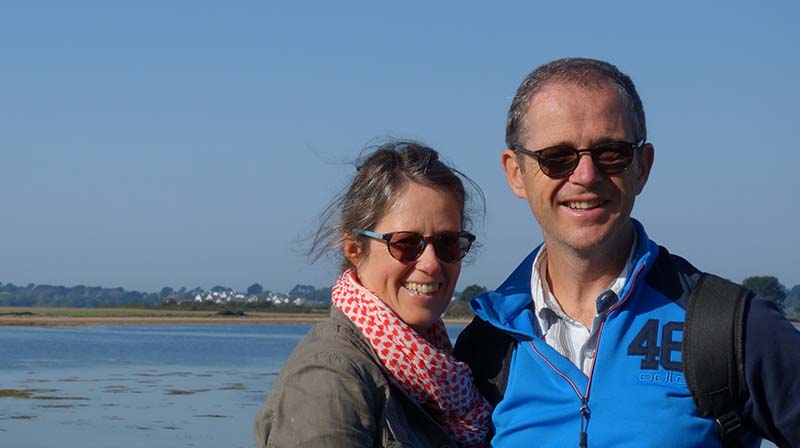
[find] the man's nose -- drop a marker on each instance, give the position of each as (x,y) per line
(586,171)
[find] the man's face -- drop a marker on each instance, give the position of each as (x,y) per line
(586,212)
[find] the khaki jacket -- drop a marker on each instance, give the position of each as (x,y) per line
(333,392)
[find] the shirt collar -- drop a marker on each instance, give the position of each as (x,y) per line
(547,308)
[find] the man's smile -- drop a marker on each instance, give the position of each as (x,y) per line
(583,205)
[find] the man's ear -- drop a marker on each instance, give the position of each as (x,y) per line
(353,251)
(513,172)
(646,157)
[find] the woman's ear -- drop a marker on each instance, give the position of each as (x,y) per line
(352,250)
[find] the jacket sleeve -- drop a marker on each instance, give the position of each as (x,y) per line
(323,400)
(772,360)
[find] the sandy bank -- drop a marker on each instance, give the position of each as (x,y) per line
(50,321)
(21,319)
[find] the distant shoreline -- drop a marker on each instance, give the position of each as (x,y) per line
(63,321)
(70,317)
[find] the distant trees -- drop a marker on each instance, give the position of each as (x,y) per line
(254,289)
(766,286)
(459,308)
(323,295)
(793,298)
(311,293)
(92,296)
(77,296)
(301,291)
(82,296)
(471,291)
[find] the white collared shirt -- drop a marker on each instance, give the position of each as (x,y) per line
(568,336)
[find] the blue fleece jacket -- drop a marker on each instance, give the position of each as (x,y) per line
(636,394)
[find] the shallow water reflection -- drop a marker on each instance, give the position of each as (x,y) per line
(138,386)
(153,386)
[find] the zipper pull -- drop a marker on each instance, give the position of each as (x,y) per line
(585,414)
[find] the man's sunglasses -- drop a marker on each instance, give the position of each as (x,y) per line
(408,246)
(560,161)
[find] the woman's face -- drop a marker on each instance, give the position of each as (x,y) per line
(417,291)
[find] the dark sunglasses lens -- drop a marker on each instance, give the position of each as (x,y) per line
(614,157)
(451,248)
(406,246)
(558,161)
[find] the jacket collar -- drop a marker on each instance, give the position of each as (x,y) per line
(510,306)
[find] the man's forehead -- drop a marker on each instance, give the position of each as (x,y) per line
(562,108)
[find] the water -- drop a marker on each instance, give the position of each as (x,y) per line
(139,386)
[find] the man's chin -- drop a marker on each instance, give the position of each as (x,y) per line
(590,240)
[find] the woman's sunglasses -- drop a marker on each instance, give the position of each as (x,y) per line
(560,161)
(408,246)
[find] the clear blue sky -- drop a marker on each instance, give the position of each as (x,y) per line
(194,143)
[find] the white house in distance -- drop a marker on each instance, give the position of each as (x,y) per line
(223,297)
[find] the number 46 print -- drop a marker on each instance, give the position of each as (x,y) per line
(646,345)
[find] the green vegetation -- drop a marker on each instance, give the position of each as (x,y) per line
(51,300)
(14,393)
(142,312)
(311,293)
(770,288)
(792,303)
(471,291)
(98,312)
(459,308)
(17,393)
(94,296)
(77,296)
(766,286)
(255,289)
(233,308)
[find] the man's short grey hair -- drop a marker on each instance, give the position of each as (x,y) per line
(581,72)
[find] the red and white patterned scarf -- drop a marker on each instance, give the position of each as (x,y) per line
(422,365)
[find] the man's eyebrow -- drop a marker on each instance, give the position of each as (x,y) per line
(557,143)
(603,140)
(571,144)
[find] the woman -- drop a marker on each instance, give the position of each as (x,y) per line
(379,372)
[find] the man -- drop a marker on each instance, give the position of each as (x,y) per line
(596,312)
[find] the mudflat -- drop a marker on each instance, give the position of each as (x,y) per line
(35,316)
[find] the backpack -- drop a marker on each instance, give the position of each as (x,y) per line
(713,352)
(712,356)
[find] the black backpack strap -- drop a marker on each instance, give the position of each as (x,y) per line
(713,352)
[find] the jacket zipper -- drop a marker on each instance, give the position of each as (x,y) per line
(585,411)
